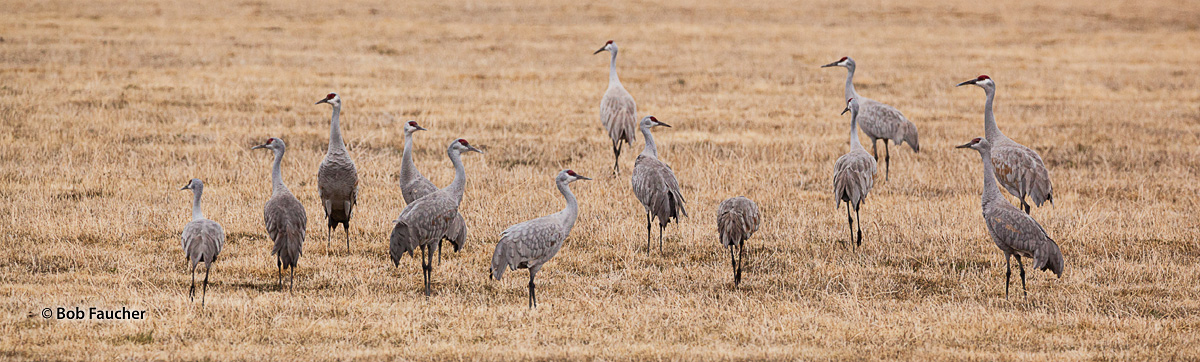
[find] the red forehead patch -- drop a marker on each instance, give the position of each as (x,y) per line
(844,59)
(269,140)
(848,100)
(330,96)
(653,119)
(609,42)
(976,140)
(463,142)
(570,172)
(412,123)
(982,77)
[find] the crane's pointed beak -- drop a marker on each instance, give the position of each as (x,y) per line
(967,82)
(845,110)
(472,148)
(582,177)
(419,128)
(834,64)
(257,147)
(321,101)
(598,51)
(185,187)
(662,124)
(968,145)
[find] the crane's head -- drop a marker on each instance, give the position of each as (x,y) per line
(609,46)
(194,184)
(979,144)
(649,122)
(412,126)
(272,143)
(333,99)
(851,105)
(982,81)
(570,175)
(845,62)
(460,145)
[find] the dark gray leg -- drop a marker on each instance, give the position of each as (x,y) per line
(647,232)
(440,252)
(427,269)
(1007,275)
(859,242)
(347,227)
(279,265)
(737,278)
(733,262)
(617,158)
(292,282)
(660,232)
(192,292)
(887,160)
(328,236)
(532,293)
(205,292)
(850,220)
(874,148)
(1021,266)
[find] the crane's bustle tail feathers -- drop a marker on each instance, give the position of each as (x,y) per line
(1049,257)
(400,242)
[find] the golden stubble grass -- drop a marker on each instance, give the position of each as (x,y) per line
(108,107)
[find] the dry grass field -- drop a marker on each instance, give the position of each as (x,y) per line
(107,108)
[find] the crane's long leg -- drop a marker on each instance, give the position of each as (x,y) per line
(733,263)
(532,293)
(660,236)
(347,227)
(859,242)
(192,292)
(328,236)
(426,260)
(1021,266)
(279,273)
(617,158)
(850,220)
(292,282)
(887,160)
(647,232)
(737,279)
(205,292)
(1007,275)
(440,251)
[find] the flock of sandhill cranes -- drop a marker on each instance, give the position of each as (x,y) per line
(432,215)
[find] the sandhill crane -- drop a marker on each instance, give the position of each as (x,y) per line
(413,186)
(532,243)
(879,120)
(284,217)
(655,185)
(1019,169)
(337,179)
(202,239)
(1015,233)
(618,112)
(737,220)
(426,220)
(854,173)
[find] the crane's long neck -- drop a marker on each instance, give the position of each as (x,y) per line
(459,185)
(336,145)
(570,212)
(408,169)
(276,174)
(196,213)
(850,93)
(612,68)
(651,149)
(990,130)
(854,143)
(991,192)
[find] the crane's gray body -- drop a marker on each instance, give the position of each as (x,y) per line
(737,220)
(618,111)
(414,186)
(654,183)
(425,221)
(531,244)
(1019,169)
(1014,232)
(878,120)
(284,216)
(337,178)
(202,239)
(854,172)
